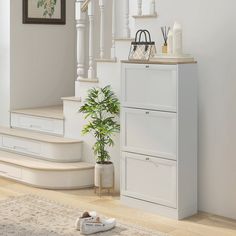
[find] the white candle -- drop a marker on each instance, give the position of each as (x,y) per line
(177,39)
(170,42)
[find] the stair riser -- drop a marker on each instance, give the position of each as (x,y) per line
(39,124)
(42,150)
(49,179)
(104,72)
(81,88)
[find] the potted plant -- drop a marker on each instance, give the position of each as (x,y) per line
(102,108)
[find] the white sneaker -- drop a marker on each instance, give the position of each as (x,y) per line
(87,228)
(86,217)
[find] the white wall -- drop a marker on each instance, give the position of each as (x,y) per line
(210,35)
(42,59)
(4,61)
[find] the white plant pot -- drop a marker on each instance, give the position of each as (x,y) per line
(104,175)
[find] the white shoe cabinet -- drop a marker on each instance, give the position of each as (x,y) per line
(159,138)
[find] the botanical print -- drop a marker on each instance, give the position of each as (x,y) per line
(48,6)
(45,9)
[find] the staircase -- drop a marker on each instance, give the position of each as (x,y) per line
(93,69)
(97,68)
(34,151)
(43,146)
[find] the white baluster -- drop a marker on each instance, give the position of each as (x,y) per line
(80,26)
(139,8)
(113,48)
(153,7)
(102,28)
(91,72)
(126,28)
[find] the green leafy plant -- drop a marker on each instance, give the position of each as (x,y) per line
(48,6)
(102,107)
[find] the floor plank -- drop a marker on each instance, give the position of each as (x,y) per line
(203,224)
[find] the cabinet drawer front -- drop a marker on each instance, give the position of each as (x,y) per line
(11,171)
(149,132)
(46,125)
(150,179)
(21,145)
(150,86)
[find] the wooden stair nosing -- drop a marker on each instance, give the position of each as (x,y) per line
(37,164)
(87,80)
(109,60)
(20,133)
(51,112)
(73,99)
(146,16)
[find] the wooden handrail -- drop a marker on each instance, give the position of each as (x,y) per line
(84,7)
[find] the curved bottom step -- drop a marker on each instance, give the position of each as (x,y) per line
(44,174)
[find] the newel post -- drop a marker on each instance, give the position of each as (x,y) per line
(102,28)
(126,27)
(91,71)
(139,13)
(153,7)
(113,47)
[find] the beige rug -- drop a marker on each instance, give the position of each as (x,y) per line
(30,215)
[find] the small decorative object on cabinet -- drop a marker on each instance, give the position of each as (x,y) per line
(44,11)
(102,107)
(159,137)
(170,42)
(172,51)
(177,40)
(165,32)
(142,50)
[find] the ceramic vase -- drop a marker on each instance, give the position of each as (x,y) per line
(104,175)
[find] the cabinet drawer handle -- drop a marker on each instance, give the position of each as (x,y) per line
(147,112)
(36,126)
(153,162)
(147,66)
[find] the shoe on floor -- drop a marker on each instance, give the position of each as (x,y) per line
(97,226)
(86,217)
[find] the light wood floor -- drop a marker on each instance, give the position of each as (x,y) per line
(202,224)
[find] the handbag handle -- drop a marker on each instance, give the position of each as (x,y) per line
(136,35)
(140,35)
(149,35)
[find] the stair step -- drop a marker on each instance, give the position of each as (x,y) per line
(145,16)
(41,146)
(110,74)
(71,99)
(28,162)
(83,85)
(88,80)
(44,174)
(37,136)
(42,119)
(55,112)
(111,60)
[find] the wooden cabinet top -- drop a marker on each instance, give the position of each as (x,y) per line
(156,62)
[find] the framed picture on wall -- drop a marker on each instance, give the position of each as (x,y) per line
(44,12)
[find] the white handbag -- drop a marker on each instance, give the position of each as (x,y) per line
(142,50)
